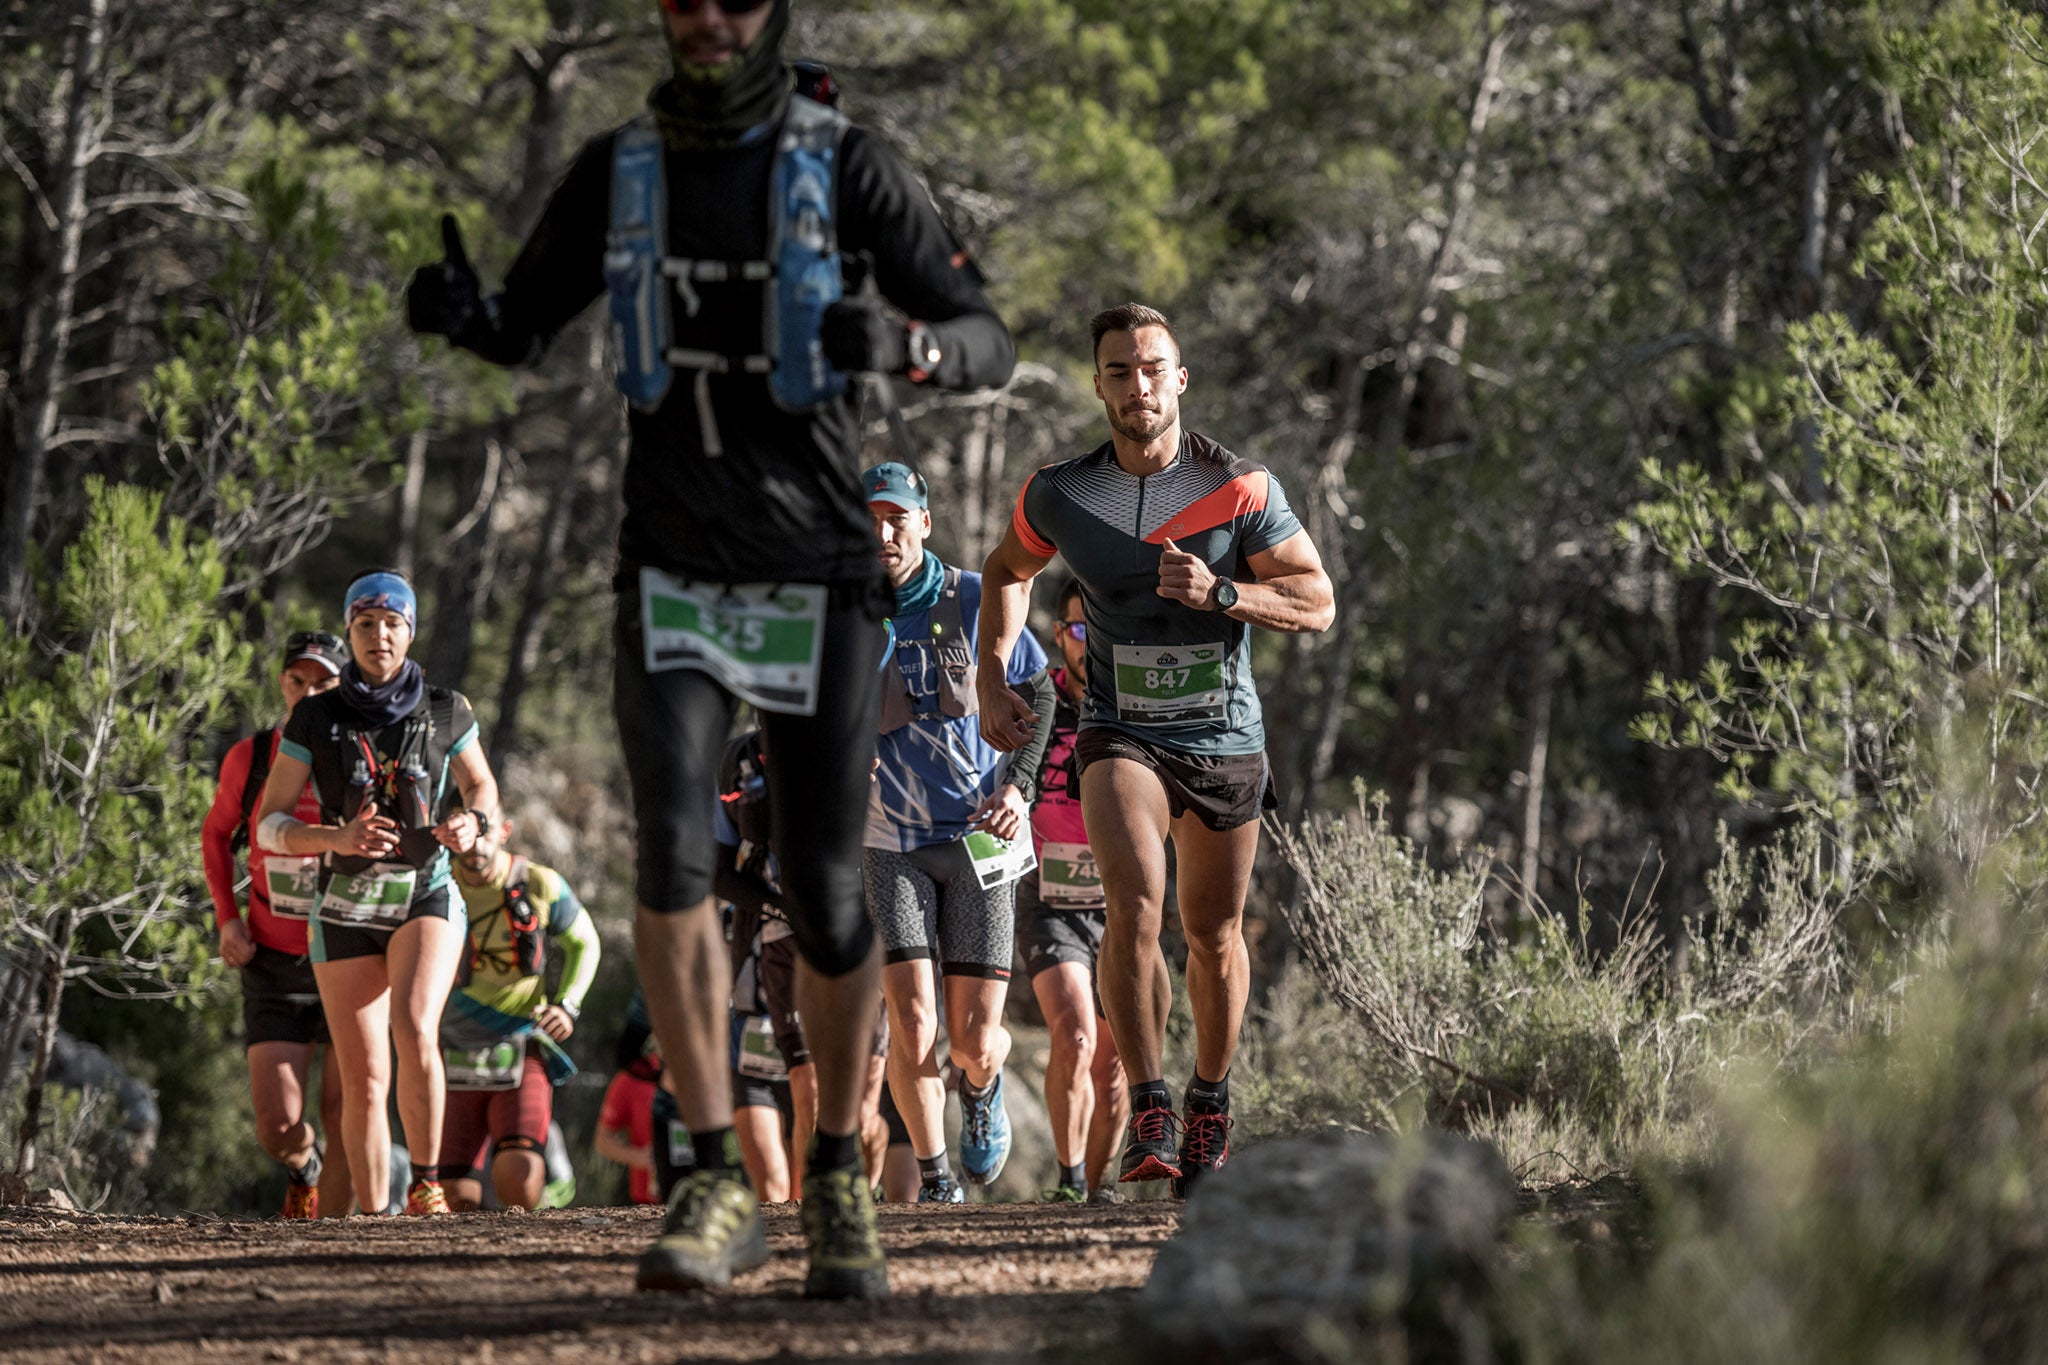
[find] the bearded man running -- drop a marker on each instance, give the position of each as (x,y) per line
(1180,547)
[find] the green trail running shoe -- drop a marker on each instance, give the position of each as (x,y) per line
(846,1250)
(713,1233)
(1065,1194)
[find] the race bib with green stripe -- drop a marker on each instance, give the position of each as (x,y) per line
(1067,875)
(761,641)
(376,898)
(497,1067)
(998,860)
(292,885)
(1170,684)
(759,1057)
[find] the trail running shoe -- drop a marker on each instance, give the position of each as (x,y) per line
(1150,1152)
(1066,1194)
(425,1200)
(984,1133)
(945,1192)
(1204,1147)
(713,1232)
(301,1201)
(1108,1195)
(839,1225)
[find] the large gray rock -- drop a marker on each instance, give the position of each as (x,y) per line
(1338,1246)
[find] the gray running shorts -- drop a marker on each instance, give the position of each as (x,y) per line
(927,903)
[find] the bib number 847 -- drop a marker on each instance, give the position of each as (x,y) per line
(1157,679)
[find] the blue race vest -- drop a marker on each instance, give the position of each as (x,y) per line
(800,278)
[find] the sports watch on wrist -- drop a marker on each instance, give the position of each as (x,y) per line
(1226,594)
(925,354)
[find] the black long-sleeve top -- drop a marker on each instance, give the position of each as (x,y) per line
(783,502)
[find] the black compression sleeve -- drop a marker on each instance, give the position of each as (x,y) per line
(920,267)
(1027,766)
(559,270)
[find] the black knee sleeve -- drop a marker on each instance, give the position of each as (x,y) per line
(819,769)
(672,726)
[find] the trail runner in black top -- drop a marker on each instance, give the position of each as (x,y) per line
(735,228)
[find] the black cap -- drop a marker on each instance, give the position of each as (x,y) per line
(326,650)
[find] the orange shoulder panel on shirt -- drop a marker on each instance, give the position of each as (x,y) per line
(1021,524)
(1245,493)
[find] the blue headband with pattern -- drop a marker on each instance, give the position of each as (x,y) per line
(381,591)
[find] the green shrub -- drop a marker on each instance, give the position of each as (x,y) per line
(1569,1060)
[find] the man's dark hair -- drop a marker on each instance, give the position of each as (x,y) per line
(1069,590)
(1127,317)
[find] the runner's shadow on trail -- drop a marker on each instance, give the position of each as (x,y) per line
(269,1260)
(1092,1317)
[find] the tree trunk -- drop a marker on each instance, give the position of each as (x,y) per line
(17,994)
(406,549)
(462,576)
(48,347)
(524,650)
(1540,684)
(46,1043)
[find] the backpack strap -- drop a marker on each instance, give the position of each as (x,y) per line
(252,786)
(522,920)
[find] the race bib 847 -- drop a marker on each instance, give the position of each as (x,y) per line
(1169,684)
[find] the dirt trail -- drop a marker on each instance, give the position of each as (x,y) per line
(984,1282)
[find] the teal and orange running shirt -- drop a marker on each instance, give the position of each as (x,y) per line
(1158,669)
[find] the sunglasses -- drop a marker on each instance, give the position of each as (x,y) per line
(1077,630)
(312,639)
(729,6)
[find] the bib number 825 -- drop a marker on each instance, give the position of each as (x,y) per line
(738,634)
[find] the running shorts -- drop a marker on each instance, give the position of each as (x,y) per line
(899,1131)
(1048,935)
(756,1092)
(340,942)
(281,1000)
(927,903)
(1225,791)
(674,724)
(472,1120)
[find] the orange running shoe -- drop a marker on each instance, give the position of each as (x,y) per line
(301,1201)
(426,1200)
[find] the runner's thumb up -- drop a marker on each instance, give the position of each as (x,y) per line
(451,244)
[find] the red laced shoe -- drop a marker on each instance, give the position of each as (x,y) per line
(1150,1152)
(301,1201)
(426,1200)
(1204,1147)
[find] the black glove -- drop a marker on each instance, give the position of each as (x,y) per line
(445,298)
(857,335)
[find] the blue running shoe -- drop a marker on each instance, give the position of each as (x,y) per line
(984,1134)
(945,1192)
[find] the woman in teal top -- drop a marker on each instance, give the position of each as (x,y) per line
(388,930)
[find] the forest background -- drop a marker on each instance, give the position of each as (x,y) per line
(1659,380)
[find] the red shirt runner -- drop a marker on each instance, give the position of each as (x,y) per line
(216,842)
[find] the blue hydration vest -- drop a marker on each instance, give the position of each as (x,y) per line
(800,278)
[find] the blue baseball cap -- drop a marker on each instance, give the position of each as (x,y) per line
(897,483)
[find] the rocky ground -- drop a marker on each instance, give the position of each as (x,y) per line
(998,1282)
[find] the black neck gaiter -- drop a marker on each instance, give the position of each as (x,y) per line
(718,106)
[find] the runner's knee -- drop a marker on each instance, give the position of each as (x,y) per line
(1216,941)
(914,1019)
(1073,1034)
